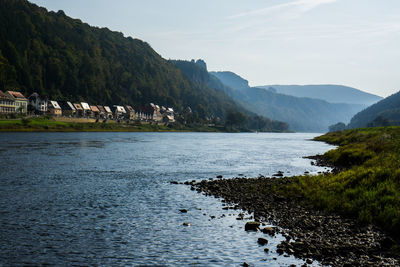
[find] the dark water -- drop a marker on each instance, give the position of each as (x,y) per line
(106,198)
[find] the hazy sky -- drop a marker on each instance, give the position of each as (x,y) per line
(349,42)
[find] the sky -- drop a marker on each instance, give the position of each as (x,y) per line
(349,42)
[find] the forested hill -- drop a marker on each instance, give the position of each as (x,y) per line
(385,112)
(238,117)
(65,59)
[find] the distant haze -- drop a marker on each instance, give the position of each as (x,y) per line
(349,42)
(328,92)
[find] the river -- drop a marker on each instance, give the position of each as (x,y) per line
(106,198)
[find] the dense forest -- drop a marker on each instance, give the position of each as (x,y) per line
(66,59)
(384,113)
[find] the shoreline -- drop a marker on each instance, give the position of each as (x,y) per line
(347,217)
(310,234)
(66,124)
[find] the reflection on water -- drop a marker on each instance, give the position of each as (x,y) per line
(106,198)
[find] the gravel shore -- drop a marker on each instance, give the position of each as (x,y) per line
(310,234)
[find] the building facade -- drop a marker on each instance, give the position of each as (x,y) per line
(37,104)
(21,103)
(7,104)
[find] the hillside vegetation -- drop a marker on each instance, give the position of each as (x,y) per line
(368,185)
(66,59)
(240,119)
(385,112)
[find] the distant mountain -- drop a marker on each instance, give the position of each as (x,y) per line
(196,71)
(327,92)
(231,79)
(302,114)
(385,112)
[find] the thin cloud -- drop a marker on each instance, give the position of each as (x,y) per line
(294,8)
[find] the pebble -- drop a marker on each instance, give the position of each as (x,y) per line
(312,235)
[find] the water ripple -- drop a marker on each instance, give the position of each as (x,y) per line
(106,198)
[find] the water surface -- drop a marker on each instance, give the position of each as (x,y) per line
(106,198)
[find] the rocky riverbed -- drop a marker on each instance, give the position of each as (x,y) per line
(309,234)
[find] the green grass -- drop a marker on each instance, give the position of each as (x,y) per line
(45,124)
(368,186)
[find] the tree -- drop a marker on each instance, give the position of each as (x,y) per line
(338,127)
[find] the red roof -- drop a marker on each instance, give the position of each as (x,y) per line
(17,95)
(94,109)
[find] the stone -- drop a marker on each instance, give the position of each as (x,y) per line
(183,210)
(266,250)
(245,264)
(269,230)
(252,226)
(219,176)
(174,182)
(262,241)
(186,224)
(309,261)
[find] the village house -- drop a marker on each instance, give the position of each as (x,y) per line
(109,113)
(95,111)
(119,112)
(79,109)
(157,116)
(102,112)
(68,108)
(21,103)
(130,113)
(138,113)
(149,112)
(54,108)
(87,112)
(37,104)
(7,104)
(169,115)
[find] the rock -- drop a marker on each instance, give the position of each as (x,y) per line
(186,224)
(278,174)
(245,264)
(279,251)
(252,226)
(183,210)
(219,176)
(174,182)
(269,230)
(262,241)
(266,250)
(309,261)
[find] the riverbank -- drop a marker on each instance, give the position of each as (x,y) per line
(347,218)
(44,124)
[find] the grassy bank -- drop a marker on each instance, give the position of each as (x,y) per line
(368,185)
(44,124)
